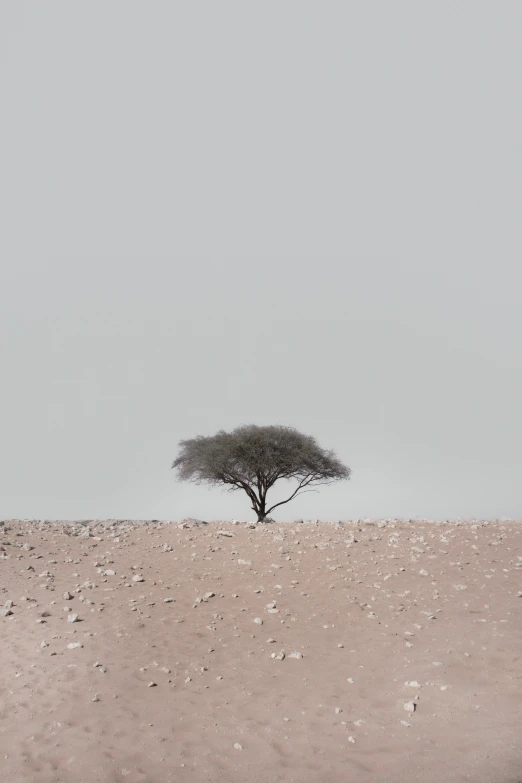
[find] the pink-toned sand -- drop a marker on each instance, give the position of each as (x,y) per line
(384,615)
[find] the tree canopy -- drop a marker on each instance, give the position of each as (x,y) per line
(252,458)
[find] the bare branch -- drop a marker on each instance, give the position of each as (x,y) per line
(293,495)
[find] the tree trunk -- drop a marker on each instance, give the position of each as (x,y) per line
(261,510)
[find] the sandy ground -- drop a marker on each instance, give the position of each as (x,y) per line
(237,653)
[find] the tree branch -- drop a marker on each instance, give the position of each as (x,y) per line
(244,486)
(302,484)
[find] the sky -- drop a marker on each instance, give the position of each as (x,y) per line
(300,213)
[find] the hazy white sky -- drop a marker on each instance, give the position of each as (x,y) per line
(299,213)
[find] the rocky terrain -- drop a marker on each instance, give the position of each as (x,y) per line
(155,652)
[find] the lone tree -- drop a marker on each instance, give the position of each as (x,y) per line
(253,458)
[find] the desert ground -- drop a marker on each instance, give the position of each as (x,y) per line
(228,652)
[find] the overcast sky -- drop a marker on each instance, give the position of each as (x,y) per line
(299,213)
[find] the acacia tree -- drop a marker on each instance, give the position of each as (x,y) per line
(252,459)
